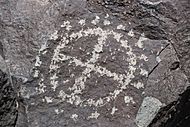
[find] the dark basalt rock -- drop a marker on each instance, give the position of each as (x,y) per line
(47,90)
(176,114)
(8,102)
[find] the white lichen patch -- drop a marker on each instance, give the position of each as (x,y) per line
(74,99)
(54,83)
(94,115)
(107,22)
(74,117)
(143,72)
(138,85)
(140,41)
(58,57)
(143,57)
(82,22)
(41,50)
(38,61)
(114,109)
(151,3)
(36,73)
(147,111)
(66,25)
(97,103)
(58,111)
(131,33)
(128,99)
(66,81)
(158,59)
(54,36)
(49,99)
(96,20)
(41,87)
(79,82)
(121,27)
(62,95)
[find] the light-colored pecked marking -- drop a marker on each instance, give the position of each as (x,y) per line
(79,86)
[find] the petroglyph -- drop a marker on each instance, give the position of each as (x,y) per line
(75,85)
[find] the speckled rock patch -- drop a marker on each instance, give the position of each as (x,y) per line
(92,63)
(93,70)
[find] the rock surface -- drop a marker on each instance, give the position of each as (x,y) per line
(175,114)
(92,62)
(8,102)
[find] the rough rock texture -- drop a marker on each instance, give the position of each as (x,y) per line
(95,63)
(8,102)
(175,114)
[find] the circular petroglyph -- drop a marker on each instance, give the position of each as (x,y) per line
(91,62)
